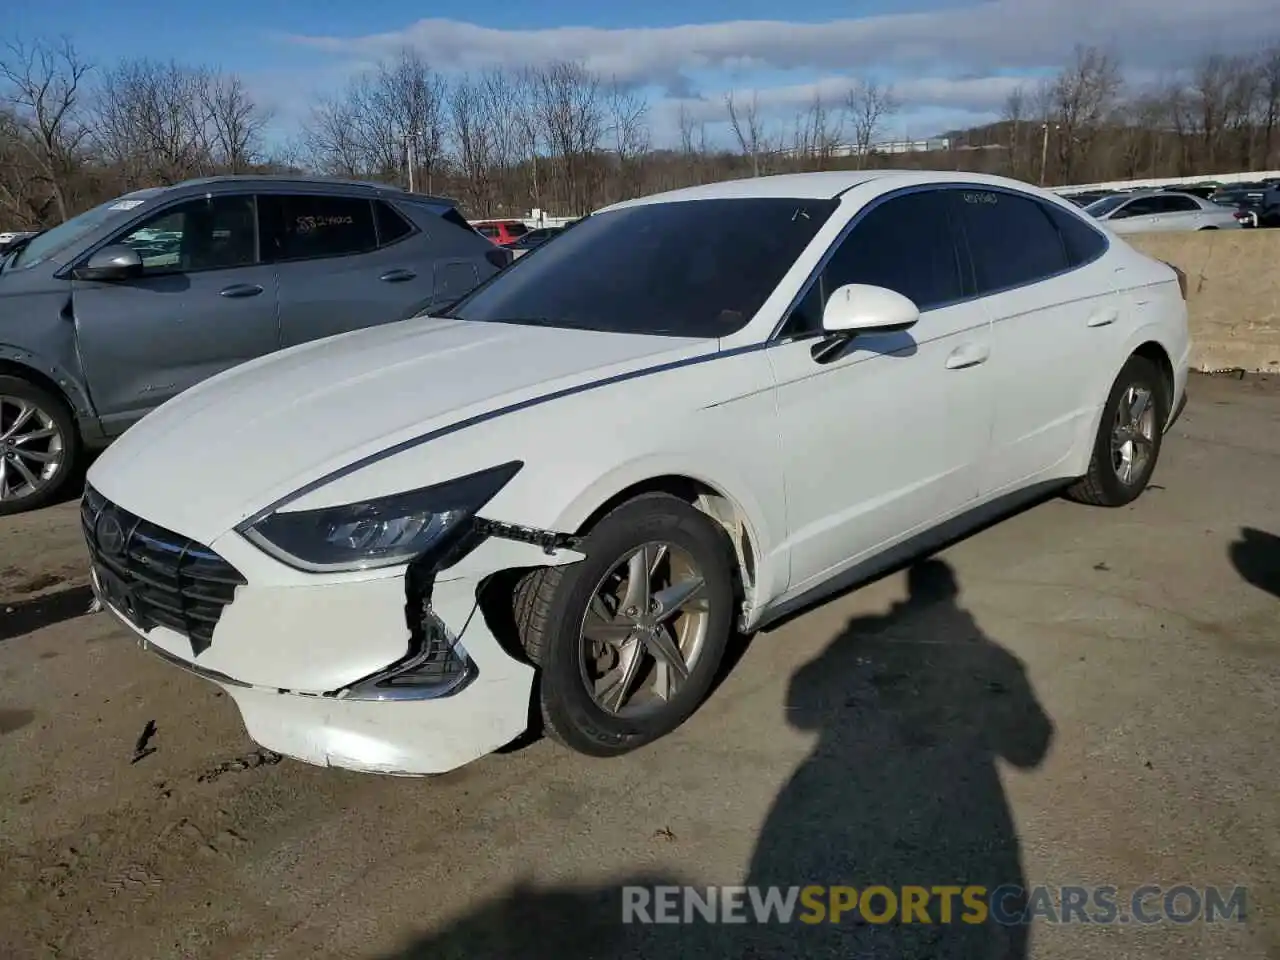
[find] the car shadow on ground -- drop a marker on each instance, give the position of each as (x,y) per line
(1256,557)
(21,617)
(913,710)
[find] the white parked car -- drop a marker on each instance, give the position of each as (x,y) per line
(1149,210)
(388,545)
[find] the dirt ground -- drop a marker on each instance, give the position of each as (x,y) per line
(1096,705)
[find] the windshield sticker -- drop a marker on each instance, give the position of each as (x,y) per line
(126,205)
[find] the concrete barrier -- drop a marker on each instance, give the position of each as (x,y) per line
(1233,280)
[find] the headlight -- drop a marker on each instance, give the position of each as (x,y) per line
(376,533)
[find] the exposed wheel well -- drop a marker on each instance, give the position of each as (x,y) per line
(710,501)
(1156,354)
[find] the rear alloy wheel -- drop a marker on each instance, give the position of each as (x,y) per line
(37,446)
(1129,438)
(629,640)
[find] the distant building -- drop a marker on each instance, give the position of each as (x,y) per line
(886,146)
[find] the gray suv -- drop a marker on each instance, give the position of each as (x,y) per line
(107,316)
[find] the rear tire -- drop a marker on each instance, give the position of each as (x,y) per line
(557,607)
(1126,448)
(44,446)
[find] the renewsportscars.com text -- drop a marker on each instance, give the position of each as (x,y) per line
(1007,905)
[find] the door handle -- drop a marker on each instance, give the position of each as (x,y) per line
(241,290)
(1103,318)
(967,355)
(397,276)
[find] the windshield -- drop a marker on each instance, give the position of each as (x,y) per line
(696,268)
(45,245)
(1104,206)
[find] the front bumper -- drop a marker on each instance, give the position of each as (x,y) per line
(300,660)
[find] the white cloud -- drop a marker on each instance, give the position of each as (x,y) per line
(955,60)
(985,36)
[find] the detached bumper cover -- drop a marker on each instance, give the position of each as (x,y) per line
(371,719)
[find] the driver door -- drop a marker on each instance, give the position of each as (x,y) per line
(888,437)
(204,303)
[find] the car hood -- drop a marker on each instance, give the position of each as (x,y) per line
(244,439)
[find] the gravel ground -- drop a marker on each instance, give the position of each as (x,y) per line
(1073,696)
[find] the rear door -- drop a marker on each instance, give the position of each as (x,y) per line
(204,303)
(1179,213)
(343,262)
(1137,215)
(1054,310)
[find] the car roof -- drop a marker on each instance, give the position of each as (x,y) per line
(254,181)
(826,185)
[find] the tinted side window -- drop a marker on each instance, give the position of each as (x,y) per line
(1180,205)
(1011,239)
(301,227)
(391,226)
(906,244)
(1083,243)
(210,233)
(1142,207)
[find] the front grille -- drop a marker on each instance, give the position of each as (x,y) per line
(154,576)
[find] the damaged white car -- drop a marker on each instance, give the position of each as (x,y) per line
(691,413)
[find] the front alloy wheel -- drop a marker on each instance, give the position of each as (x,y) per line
(644,630)
(628,641)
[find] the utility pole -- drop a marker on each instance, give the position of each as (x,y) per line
(409,155)
(1044,151)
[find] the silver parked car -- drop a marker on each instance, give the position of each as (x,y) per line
(115,311)
(1147,210)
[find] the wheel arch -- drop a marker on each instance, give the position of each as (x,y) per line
(48,377)
(716,500)
(1154,352)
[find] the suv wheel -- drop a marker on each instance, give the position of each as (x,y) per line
(38,446)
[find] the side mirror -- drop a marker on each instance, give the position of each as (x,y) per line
(116,262)
(859,308)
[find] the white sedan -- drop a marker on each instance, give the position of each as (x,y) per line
(387,546)
(1161,210)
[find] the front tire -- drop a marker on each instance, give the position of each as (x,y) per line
(630,639)
(1129,437)
(39,446)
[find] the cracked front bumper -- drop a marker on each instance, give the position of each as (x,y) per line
(303,658)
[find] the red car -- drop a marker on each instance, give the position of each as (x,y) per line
(501,232)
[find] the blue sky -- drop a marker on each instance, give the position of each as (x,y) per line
(951,62)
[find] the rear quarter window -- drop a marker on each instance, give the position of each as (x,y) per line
(1083,243)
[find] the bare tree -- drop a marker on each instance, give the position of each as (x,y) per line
(748,129)
(152,121)
(818,134)
(41,84)
(628,132)
(1083,95)
(236,122)
(569,108)
(1269,93)
(868,105)
(382,117)
(475,139)
(1015,115)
